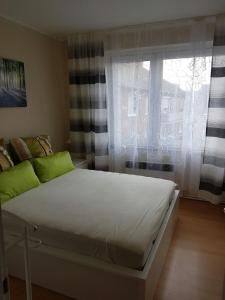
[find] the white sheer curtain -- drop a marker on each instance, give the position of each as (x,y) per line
(158,88)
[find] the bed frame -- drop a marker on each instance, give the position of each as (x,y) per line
(85,278)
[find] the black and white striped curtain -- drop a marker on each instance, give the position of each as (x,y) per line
(88,106)
(212,184)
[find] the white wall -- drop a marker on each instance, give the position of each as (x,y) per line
(46,85)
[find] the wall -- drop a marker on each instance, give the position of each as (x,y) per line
(46,85)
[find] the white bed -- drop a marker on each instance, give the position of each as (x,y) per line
(105,223)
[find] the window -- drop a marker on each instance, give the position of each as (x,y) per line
(133,98)
(152,97)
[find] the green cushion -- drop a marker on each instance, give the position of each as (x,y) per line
(53,165)
(17,180)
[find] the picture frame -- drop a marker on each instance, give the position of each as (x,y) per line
(12,83)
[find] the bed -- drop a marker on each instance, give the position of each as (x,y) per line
(104,235)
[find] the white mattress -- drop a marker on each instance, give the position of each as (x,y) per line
(109,216)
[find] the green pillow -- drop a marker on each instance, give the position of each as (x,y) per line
(17,180)
(53,165)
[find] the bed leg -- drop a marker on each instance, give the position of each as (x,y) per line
(27,265)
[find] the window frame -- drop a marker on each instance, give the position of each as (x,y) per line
(156,56)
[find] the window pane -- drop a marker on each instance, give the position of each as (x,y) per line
(133,97)
(185,84)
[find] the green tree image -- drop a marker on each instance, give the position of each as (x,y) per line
(12,83)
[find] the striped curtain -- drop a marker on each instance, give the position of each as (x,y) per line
(212,184)
(88,106)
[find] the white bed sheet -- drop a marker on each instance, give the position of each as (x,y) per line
(110,216)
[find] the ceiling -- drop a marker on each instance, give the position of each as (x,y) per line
(61,17)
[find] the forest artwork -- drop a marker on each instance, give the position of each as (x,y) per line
(12,83)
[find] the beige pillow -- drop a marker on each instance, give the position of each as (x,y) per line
(5,159)
(30,147)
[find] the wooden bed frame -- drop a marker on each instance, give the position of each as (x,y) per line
(85,278)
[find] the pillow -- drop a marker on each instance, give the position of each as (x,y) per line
(53,165)
(30,147)
(5,160)
(39,146)
(20,149)
(17,180)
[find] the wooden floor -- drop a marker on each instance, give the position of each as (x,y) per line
(195,266)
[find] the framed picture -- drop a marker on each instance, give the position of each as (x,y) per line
(12,83)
